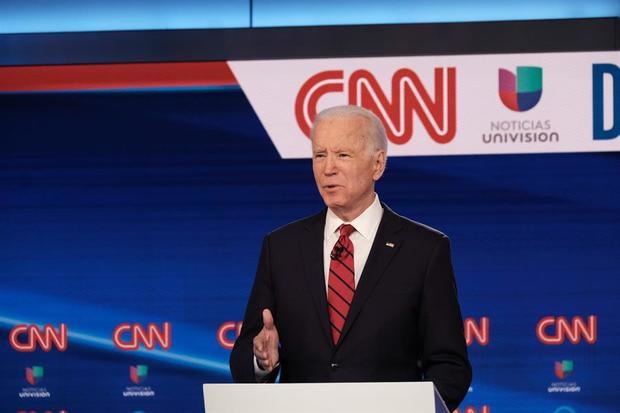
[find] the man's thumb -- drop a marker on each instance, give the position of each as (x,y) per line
(267,319)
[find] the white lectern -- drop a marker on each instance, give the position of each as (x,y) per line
(409,397)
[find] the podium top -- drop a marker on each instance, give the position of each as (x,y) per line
(390,397)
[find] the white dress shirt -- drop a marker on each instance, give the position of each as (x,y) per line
(366,226)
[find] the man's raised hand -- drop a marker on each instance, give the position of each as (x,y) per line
(266,344)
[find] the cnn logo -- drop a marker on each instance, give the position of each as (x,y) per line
(409,97)
(129,337)
(552,330)
(29,338)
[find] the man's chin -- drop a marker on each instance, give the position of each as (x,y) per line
(334,206)
(331,200)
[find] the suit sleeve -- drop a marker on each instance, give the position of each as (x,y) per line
(443,349)
(261,297)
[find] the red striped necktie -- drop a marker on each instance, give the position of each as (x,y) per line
(341,281)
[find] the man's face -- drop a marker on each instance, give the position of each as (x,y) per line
(345,164)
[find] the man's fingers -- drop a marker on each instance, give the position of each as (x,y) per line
(266,343)
(259,343)
(264,361)
(267,319)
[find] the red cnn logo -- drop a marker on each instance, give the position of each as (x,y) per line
(139,335)
(226,330)
(35,336)
(469,409)
(478,331)
(409,98)
(574,330)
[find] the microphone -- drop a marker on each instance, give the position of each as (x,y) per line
(337,251)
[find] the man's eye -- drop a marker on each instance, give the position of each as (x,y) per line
(319,155)
(343,155)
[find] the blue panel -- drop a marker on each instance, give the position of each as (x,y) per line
(145,207)
(326,12)
(97,15)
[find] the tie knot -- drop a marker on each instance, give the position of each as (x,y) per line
(346,229)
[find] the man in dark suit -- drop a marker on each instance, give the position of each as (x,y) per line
(356,292)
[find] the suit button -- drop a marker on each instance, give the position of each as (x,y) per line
(335,366)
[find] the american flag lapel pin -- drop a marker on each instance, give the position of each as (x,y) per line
(389,244)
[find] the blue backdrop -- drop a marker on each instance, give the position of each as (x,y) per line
(151,206)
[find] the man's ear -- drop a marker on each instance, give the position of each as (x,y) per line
(380,160)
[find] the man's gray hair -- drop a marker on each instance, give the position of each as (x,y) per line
(377,131)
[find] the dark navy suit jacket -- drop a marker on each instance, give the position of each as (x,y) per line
(404,323)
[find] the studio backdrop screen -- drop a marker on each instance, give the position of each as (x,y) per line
(134,199)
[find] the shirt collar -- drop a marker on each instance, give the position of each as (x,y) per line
(364,224)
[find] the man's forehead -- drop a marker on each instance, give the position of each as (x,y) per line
(351,120)
(339,143)
(348,132)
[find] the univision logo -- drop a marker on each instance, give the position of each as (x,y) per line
(138,373)
(563,369)
(34,374)
(522,91)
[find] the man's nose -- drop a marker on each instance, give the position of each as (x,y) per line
(330,165)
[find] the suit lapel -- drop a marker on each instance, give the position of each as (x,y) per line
(311,246)
(384,247)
